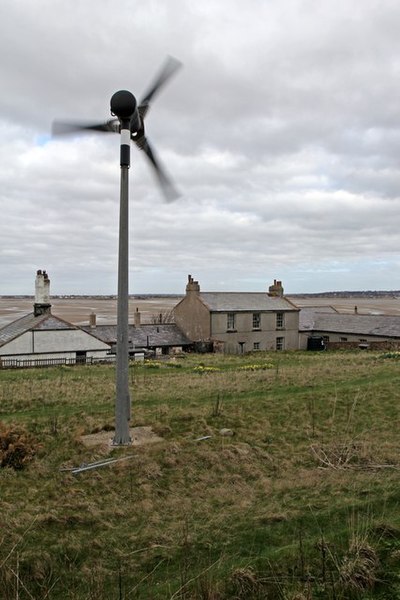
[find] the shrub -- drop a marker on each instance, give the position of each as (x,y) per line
(17,448)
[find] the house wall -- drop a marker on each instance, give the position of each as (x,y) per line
(265,336)
(50,342)
(193,318)
(21,345)
(342,338)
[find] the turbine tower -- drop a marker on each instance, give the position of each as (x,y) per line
(128,120)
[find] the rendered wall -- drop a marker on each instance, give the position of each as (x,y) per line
(243,337)
(57,341)
(193,318)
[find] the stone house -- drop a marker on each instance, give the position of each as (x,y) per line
(238,322)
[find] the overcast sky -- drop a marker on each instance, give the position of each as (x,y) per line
(281,132)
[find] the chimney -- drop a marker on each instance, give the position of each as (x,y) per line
(92,320)
(192,286)
(42,294)
(276,289)
(137,318)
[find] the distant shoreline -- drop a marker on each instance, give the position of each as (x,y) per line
(91,296)
(342,294)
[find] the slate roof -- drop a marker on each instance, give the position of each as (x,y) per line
(308,315)
(163,334)
(245,302)
(378,325)
(29,323)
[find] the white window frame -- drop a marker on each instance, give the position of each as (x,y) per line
(280,343)
(231,321)
(256,320)
(280,320)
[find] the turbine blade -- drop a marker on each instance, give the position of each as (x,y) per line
(170,66)
(169,191)
(70,127)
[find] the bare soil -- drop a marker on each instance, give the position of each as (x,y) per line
(140,436)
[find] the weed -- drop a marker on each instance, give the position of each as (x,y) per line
(359,567)
(202,369)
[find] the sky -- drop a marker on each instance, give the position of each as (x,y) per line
(281,132)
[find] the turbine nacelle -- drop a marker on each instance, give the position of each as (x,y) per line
(128,114)
(124,106)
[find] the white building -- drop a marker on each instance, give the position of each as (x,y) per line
(41,338)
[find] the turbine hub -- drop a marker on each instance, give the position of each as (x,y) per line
(123,104)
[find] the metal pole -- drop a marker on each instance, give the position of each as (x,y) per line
(123,401)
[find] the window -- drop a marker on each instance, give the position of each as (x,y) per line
(280,320)
(230,322)
(325,338)
(256,346)
(280,343)
(343,339)
(256,320)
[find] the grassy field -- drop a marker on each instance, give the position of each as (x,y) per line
(301,502)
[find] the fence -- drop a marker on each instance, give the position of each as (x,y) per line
(15,363)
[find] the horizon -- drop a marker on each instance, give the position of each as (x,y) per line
(180,295)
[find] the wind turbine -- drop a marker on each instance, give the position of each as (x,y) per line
(128,121)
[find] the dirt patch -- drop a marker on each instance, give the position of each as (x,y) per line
(139,435)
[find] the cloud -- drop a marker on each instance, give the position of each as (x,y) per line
(281,132)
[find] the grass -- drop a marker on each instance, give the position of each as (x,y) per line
(301,502)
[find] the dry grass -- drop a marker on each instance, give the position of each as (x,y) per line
(209,515)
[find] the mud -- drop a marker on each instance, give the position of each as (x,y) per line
(78,310)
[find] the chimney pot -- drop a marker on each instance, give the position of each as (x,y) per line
(137,317)
(42,294)
(192,285)
(276,289)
